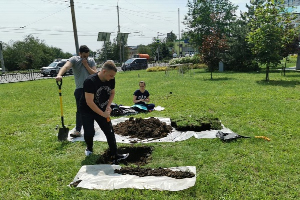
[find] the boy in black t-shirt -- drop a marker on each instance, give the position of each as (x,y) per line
(99,92)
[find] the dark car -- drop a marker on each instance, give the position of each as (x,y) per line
(135,64)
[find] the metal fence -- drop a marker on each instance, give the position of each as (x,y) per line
(18,76)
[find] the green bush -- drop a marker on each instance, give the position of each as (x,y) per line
(291,59)
(193,59)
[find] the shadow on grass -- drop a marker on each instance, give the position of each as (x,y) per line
(291,75)
(90,160)
(217,79)
(63,145)
(282,83)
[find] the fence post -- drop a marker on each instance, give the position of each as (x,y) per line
(1,58)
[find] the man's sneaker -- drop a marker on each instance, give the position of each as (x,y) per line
(120,157)
(75,134)
(88,152)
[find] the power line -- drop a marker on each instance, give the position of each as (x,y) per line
(44,17)
(158,17)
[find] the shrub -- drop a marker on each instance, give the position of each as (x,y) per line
(199,66)
(156,69)
(193,59)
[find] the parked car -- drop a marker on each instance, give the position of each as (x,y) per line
(135,64)
(54,67)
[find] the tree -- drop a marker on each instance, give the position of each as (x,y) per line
(271,31)
(239,57)
(207,21)
(159,49)
(143,49)
(111,51)
(171,37)
(31,53)
(212,48)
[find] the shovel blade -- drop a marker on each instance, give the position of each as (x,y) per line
(63,134)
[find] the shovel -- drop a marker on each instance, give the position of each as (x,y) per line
(64,131)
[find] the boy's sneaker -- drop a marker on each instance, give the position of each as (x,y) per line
(120,157)
(75,134)
(88,152)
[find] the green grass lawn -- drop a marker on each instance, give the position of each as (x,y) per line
(34,165)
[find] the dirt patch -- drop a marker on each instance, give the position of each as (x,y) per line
(198,124)
(140,156)
(141,172)
(143,128)
(137,155)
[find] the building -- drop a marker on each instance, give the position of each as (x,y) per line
(290,3)
(182,47)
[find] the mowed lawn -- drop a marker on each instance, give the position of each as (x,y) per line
(34,165)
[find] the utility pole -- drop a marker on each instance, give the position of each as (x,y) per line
(178,33)
(157,41)
(74,26)
(1,58)
(120,42)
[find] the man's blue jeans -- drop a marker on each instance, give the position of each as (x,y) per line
(78,93)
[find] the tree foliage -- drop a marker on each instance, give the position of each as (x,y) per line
(271,31)
(31,53)
(159,50)
(238,56)
(111,51)
(143,49)
(208,27)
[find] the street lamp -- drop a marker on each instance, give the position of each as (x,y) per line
(158,42)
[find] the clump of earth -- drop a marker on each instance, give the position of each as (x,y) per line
(143,128)
(141,172)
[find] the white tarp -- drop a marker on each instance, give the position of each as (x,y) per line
(174,136)
(102,177)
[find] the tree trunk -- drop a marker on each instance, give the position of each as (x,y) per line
(210,67)
(267,72)
(298,62)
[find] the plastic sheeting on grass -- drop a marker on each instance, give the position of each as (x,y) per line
(174,136)
(102,177)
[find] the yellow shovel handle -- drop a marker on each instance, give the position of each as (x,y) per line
(263,137)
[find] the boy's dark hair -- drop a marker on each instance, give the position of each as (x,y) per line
(110,65)
(84,49)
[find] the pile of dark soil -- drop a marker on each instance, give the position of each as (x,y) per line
(141,172)
(137,155)
(143,128)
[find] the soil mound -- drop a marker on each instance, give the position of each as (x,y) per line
(143,128)
(141,172)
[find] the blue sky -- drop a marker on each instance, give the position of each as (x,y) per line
(51,21)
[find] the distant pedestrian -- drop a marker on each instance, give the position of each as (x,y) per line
(82,67)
